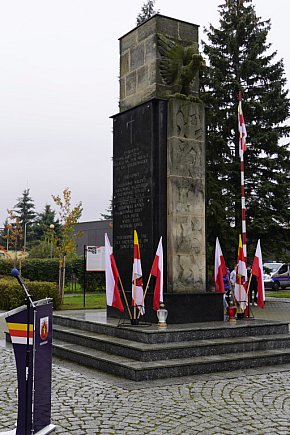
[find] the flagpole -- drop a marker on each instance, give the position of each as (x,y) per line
(134,294)
(249,283)
(145,292)
(243,203)
(232,291)
(242,170)
(248,297)
(242,149)
(125,298)
(240,287)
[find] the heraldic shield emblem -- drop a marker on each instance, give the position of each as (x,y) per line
(44,328)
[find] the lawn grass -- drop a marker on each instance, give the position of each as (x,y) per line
(76,302)
(75,288)
(279,294)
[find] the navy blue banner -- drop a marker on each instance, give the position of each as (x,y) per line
(42,366)
(31,336)
(17,323)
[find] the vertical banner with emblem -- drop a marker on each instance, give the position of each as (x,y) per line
(42,366)
(31,335)
(17,321)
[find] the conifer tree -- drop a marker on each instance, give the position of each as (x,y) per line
(240,59)
(43,221)
(4,232)
(108,215)
(24,210)
(147,11)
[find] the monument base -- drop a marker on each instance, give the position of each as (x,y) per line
(182,308)
(45,431)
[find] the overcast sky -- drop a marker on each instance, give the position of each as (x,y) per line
(59,65)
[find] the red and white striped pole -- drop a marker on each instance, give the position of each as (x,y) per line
(242,149)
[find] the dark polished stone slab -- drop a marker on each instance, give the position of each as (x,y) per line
(170,350)
(183,308)
(140,355)
(151,333)
(147,352)
(139,184)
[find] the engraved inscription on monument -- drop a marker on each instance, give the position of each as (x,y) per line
(132,194)
(138,183)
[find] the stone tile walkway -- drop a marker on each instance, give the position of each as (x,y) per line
(84,401)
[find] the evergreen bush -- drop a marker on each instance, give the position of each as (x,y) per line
(48,270)
(6,265)
(12,296)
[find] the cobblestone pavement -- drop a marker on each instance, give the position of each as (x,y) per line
(87,402)
(84,401)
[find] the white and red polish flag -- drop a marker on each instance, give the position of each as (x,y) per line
(220,269)
(137,281)
(112,278)
(257,270)
(157,271)
(241,277)
(242,131)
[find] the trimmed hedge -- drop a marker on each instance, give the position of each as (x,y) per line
(12,296)
(48,269)
(40,270)
(5,267)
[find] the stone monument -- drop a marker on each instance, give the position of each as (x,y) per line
(159,166)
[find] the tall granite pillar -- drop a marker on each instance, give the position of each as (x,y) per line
(159,164)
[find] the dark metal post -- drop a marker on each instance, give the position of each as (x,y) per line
(85,268)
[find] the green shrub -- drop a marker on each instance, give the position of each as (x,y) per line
(48,269)
(12,295)
(5,267)
(40,269)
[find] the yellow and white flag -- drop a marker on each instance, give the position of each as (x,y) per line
(137,281)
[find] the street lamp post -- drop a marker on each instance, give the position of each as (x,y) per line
(7,240)
(25,235)
(51,226)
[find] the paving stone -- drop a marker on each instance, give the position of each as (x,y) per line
(255,401)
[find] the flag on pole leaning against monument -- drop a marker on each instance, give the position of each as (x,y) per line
(157,271)
(241,278)
(257,270)
(137,282)
(112,278)
(220,269)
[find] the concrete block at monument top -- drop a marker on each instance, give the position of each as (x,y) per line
(143,69)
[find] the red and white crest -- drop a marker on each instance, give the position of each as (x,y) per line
(44,328)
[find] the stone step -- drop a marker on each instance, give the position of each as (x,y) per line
(149,370)
(176,333)
(171,350)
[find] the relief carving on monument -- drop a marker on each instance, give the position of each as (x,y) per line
(185,158)
(189,235)
(186,196)
(186,120)
(189,274)
(196,123)
(179,66)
